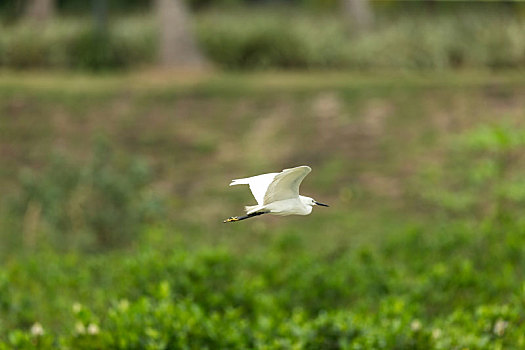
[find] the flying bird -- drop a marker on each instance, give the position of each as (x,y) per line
(277,194)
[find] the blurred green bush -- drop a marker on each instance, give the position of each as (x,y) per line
(95,50)
(263,46)
(174,298)
(102,204)
(482,174)
(280,38)
(76,44)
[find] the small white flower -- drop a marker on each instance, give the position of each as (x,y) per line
(415,325)
(500,326)
(93,329)
(79,328)
(436,333)
(37,329)
(77,307)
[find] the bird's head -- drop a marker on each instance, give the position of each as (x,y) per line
(311,202)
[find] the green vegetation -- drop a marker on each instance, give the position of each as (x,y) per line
(75,43)
(114,194)
(101,205)
(241,39)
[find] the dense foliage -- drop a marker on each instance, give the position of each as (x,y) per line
(423,246)
(280,38)
(101,205)
(395,296)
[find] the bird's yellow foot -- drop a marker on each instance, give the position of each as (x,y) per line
(233,218)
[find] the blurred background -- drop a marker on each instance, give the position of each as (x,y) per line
(123,122)
(262,34)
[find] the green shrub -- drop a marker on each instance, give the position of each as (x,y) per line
(164,319)
(67,43)
(95,49)
(261,44)
(482,173)
(24,49)
(281,38)
(128,42)
(102,204)
(419,42)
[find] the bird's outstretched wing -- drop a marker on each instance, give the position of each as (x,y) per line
(285,185)
(258,185)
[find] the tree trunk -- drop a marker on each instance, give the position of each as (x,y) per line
(177,44)
(358,15)
(40,10)
(100,14)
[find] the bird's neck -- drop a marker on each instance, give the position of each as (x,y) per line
(305,200)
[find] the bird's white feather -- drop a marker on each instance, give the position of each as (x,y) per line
(252,208)
(285,185)
(258,185)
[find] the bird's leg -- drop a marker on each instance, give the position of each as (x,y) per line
(237,218)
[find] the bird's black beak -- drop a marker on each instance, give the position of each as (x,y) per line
(321,204)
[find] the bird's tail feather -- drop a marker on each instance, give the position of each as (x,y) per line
(239,182)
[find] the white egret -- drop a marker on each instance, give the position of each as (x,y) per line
(277,194)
